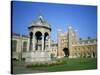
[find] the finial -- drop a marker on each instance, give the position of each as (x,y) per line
(69,27)
(40,17)
(40,13)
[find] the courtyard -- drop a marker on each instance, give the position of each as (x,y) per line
(19,67)
(33,39)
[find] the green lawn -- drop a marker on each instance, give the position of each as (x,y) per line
(69,65)
(72,64)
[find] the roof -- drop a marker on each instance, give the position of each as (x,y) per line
(17,34)
(40,22)
(88,40)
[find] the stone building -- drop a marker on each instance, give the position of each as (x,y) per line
(70,45)
(38,46)
(54,48)
(20,45)
(37,42)
(85,48)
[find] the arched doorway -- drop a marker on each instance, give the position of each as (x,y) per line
(93,54)
(38,40)
(66,51)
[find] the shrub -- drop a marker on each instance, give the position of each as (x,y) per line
(46,64)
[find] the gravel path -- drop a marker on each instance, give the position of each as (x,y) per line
(19,68)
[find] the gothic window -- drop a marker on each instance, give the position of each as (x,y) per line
(24,46)
(14,45)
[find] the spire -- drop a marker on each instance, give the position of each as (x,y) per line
(40,17)
(40,21)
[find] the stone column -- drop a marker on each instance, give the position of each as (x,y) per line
(49,47)
(33,41)
(42,42)
(70,41)
(30,44)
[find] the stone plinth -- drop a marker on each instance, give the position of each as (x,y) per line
(37,56)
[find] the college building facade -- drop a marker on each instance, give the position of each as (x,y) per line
(69,44)
(38,43)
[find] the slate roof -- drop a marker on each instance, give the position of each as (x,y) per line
(40,22)
(17,34)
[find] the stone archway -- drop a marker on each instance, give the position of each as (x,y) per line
(38,36)
(46,37)
(66,51)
